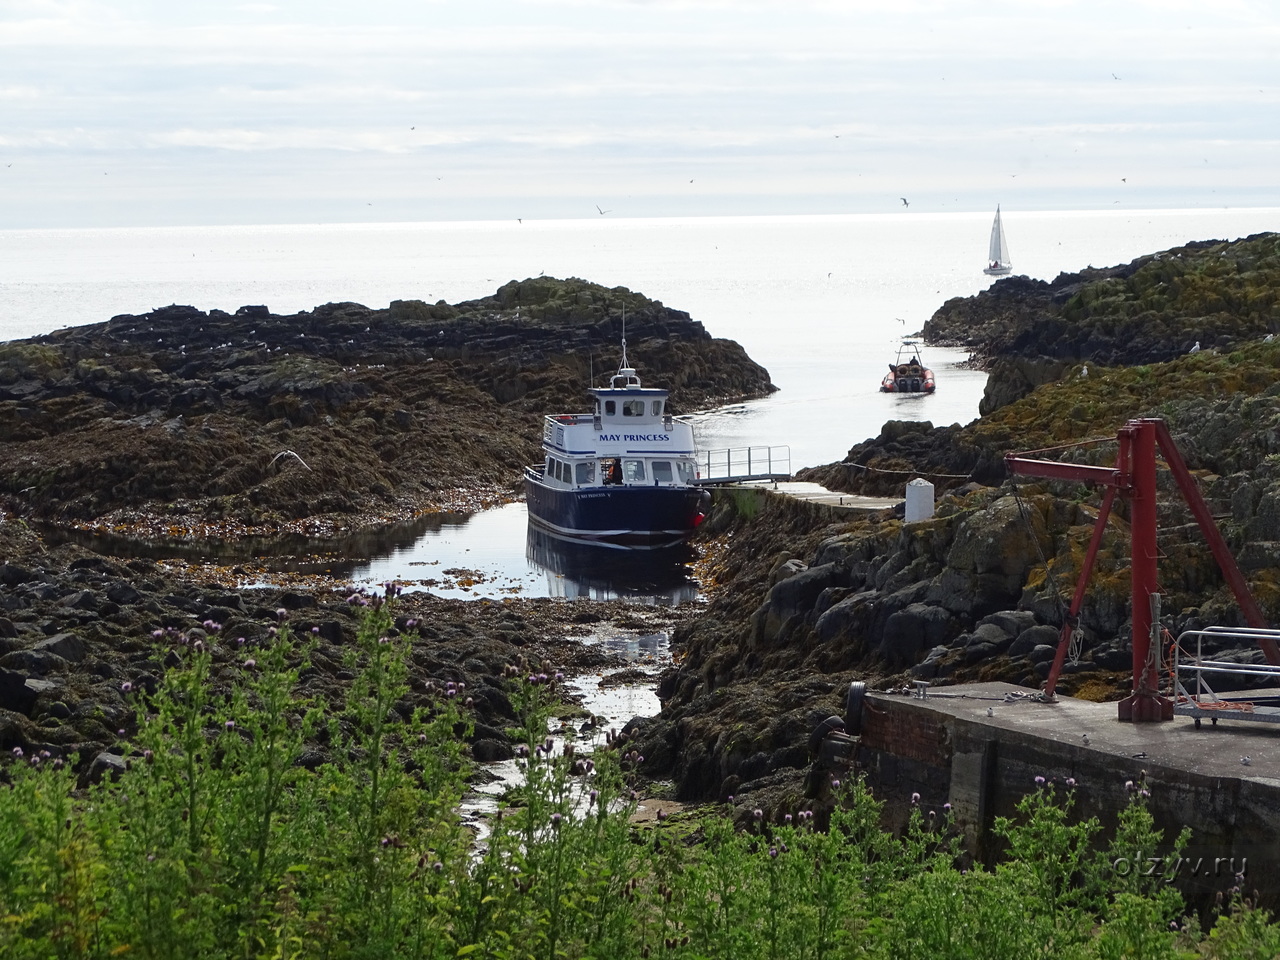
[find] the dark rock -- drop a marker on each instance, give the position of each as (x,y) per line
(1032,637)
(103,766)
(1042,653)
(123,593)
(908,633)
(68,646)
(11,575)
(489,751)
(38,662)
(15,695)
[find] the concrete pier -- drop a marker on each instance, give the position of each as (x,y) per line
(820,496)
(981,746)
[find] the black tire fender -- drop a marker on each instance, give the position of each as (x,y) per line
(853,708)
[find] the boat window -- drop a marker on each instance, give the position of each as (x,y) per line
(688,472)
(633,471)
(586,472)
(662,471)
(549,470)
(633,408)
(556,466)
(610,407)
(656,408)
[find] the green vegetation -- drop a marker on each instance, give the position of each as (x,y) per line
(221,839)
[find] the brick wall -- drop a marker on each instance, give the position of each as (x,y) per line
(901,729)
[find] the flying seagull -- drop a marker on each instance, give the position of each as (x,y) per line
(602,212)
(904,201)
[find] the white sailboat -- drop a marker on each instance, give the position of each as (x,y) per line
(998,263)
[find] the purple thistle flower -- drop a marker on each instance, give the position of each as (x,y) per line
(17,752)
(946,808)
(315,631)
(126,687)
(555,820)
(757,814)
(437,866)
(773,852)
(593,796)
(230,724)
(281,613)
(250,663)
(915,798)
(1039,781)
(1071,781)
(787,818)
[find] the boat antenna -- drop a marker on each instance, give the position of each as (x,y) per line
(624,338)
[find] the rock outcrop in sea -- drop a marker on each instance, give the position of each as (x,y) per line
(335,416)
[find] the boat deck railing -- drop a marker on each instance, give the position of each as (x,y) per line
(740,464)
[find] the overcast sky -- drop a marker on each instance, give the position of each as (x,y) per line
(142,112)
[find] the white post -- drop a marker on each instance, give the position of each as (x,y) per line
(919,500)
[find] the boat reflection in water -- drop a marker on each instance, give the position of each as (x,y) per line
(603,571)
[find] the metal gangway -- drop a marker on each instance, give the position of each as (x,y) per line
(742,464)
(1194,697)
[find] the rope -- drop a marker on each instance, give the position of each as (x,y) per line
(1068,446)
(908,473)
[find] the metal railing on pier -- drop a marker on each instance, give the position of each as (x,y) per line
(1195,698)
(740,464)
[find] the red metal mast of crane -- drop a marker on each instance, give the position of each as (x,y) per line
(1134,477)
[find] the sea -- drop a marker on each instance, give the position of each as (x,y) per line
(822,302)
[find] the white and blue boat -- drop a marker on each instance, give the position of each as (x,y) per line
(625,474)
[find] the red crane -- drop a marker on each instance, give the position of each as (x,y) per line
(1134,477)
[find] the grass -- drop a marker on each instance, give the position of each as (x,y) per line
(219,841)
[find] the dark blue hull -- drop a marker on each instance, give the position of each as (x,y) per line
(617,514)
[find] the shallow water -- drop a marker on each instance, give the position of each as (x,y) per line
(612,705)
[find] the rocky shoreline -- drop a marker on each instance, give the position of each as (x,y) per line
(186,426)
(979,591)
(799,605)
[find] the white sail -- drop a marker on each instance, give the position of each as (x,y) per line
(998,262)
